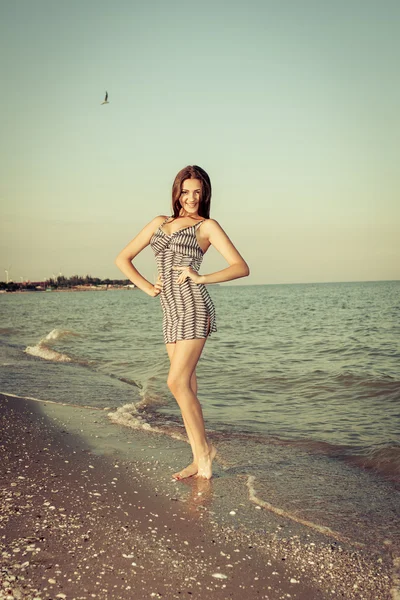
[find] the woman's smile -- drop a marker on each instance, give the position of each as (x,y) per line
(190,194)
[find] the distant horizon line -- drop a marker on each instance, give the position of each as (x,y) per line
(221,283)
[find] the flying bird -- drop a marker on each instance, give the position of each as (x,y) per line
(105,101)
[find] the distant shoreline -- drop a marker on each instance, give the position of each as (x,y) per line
(73,289)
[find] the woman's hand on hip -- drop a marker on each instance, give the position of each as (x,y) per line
(187,272)
(157,287)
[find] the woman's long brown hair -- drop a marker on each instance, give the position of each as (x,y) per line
(192,172)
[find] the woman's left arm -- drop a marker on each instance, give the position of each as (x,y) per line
(221,242)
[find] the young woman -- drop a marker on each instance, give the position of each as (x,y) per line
(179,243)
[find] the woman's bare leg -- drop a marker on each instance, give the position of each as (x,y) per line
(183,364)
(193,387)
(192,468)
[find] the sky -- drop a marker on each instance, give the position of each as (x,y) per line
(292,108)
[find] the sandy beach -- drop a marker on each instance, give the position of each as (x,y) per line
(79,525)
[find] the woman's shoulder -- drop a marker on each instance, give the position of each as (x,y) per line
(211,224)
(160,219)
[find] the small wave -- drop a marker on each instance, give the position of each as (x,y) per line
(129,416)
(283,513)
(385,461)
(58,334)
(150,400)
(380,384)
(42,350)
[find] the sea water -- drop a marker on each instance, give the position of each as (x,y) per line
(300,387)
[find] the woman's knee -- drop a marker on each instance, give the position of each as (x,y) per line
(177,383)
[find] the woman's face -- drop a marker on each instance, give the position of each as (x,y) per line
(190,195)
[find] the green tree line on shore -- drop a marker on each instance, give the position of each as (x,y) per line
(61,282)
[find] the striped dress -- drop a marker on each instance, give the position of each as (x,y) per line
(188,311)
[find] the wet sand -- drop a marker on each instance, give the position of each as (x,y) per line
(78,525)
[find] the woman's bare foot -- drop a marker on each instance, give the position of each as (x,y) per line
(186,472)
(205,463)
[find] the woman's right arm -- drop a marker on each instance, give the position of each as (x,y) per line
(125,257)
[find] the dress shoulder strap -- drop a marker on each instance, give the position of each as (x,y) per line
(198,224)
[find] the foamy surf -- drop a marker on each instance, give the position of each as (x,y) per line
(58,334)
(150,395)
(129,416)
(41,350)
(150,400)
